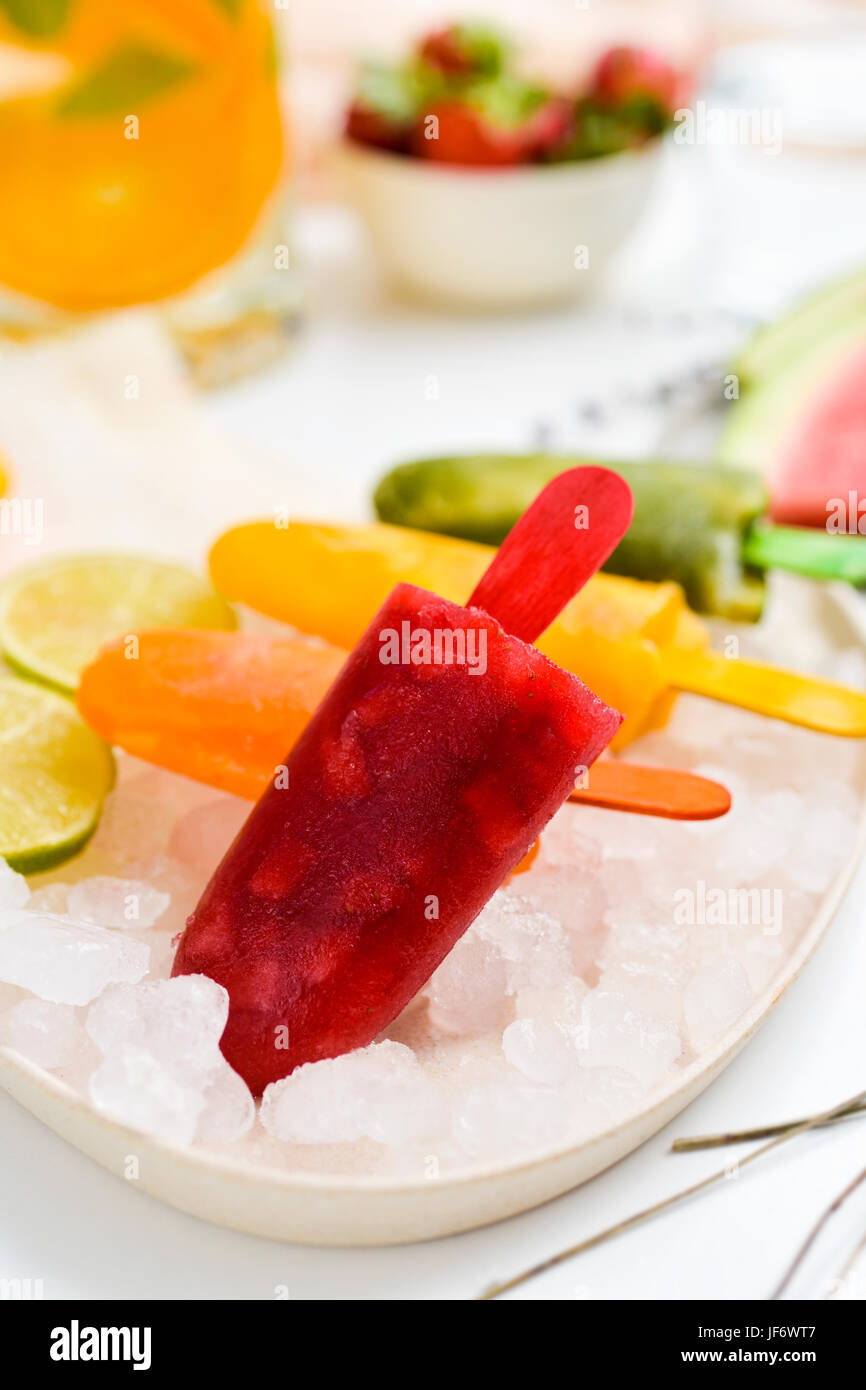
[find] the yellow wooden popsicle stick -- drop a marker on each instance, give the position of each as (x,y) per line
(815,704)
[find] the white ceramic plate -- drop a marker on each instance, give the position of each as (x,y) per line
(341,1210)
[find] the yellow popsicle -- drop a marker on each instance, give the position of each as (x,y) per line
(634,643)
(330,580)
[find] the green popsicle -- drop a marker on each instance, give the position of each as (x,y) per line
(697,525)
(688,525)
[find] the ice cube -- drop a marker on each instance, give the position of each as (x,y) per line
(163,1071)
(10,995)
(116,902)
(827,839)
(559,1004)
(181,884)
(633,939)
(468,992)
(64,960)
(229,1110)
(577,902)
(179,1021)
(635,892)
(14,890)
(51,897)
(499,1118)
(140,1090)
(616,1035)
(605,1094)
(651,987)
(534,945)
(538,1049)
(694,722)
(639,840)
(380,1092)
(49,1034)
(760,957)
(714,999)
(564,846)
(755,838)
(163,947)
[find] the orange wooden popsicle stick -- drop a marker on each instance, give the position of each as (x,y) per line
(527,861)
(652,791)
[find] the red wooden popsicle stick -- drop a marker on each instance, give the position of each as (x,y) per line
(559,543)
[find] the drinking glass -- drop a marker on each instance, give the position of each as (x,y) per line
(142,161)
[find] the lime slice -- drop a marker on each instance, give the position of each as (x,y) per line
(54,776)
(56,616)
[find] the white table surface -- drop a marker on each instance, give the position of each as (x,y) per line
(369,382)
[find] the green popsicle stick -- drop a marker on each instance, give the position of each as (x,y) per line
(817,554)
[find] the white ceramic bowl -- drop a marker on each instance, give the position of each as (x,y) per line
(497,238)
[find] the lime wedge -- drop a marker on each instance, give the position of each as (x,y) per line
(54,776)
(55,616)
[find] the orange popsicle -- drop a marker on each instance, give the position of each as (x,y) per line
(223,707)
(220,712)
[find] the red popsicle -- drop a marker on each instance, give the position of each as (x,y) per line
(435,760)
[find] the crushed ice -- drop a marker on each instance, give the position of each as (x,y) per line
(629,949)
(161,1069)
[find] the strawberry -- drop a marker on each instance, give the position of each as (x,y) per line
(635,75)
(464,51)
(384,108)
(478,132)
(369,127)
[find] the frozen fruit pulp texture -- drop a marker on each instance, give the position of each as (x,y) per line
(410,796)
(609,634)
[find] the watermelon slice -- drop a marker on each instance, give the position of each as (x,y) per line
(802,423)
(818,316)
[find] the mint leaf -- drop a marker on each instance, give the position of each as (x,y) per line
(128,78)
(38,18)
(231,7)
